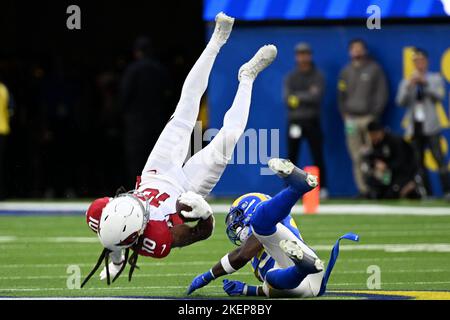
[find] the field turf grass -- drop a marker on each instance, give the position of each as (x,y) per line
(36,251)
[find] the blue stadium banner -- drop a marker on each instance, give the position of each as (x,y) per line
(256,10)
(267,124)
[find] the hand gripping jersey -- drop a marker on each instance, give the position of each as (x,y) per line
(162,196)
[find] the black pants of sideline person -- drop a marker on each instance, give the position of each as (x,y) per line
(420,142)
(2,165)
(312,132)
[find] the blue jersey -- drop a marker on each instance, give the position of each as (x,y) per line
(262,262)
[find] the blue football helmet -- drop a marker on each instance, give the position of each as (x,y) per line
(238,218)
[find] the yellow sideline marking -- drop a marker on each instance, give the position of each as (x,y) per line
(418,295)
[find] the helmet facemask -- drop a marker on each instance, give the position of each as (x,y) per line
(133,241)
(238,226)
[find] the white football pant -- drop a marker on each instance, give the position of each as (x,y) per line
(310,286)
(203,170)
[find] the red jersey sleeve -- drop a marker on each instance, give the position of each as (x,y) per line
(176,219)
(157,240)
(94,213)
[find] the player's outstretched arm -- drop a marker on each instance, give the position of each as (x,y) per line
(229,264)
(184,235)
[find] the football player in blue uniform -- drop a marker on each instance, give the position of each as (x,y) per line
(267,235)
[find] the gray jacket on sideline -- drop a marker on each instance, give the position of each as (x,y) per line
(307,89)
(362,90)
(433,92)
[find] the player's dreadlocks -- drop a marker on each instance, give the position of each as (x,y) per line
(104,256)
(134,256)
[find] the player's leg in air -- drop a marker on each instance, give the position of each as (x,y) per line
(169,152)
(263,217)
(267,235)
(163,170)
(298,267)
(205,168)
(164,178)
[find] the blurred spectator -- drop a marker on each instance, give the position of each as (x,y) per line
(303,91)
(109,140)
(144,92)
(389,170)
(5,112)
(419,94)
(60,99)
(362,96)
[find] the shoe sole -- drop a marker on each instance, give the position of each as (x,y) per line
(295,252)
(263,55)
(267,55)
(283,167)
(292,249)
(222,17)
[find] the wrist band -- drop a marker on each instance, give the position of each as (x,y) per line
(226,264)
(252,291)
(244,291)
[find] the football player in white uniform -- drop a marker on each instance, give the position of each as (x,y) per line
(146,218)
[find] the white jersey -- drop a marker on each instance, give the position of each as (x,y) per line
(161,192)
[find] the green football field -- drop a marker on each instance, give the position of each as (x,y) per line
(38,255)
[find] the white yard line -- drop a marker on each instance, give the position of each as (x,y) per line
(140,275)
(7,239)
(383,283)
(413,247)
(363,209)
(193,274)
(48,239)
(211,286)
(102,288)
(144,264)
(204,263)
(344,209)
(43,206)
(406,247)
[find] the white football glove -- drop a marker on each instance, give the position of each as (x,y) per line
(200,208)
(114,266)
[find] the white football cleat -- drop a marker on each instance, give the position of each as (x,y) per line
(284,168)
(261,60)
(312,180)
(113,270)
(292,249)
(222,30)
(296,254)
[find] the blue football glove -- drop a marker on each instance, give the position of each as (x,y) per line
(200,281)
(233,288)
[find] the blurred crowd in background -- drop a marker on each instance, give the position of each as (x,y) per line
(385,165)
(81,109)
(133,102)
(80,112)
(70,136)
